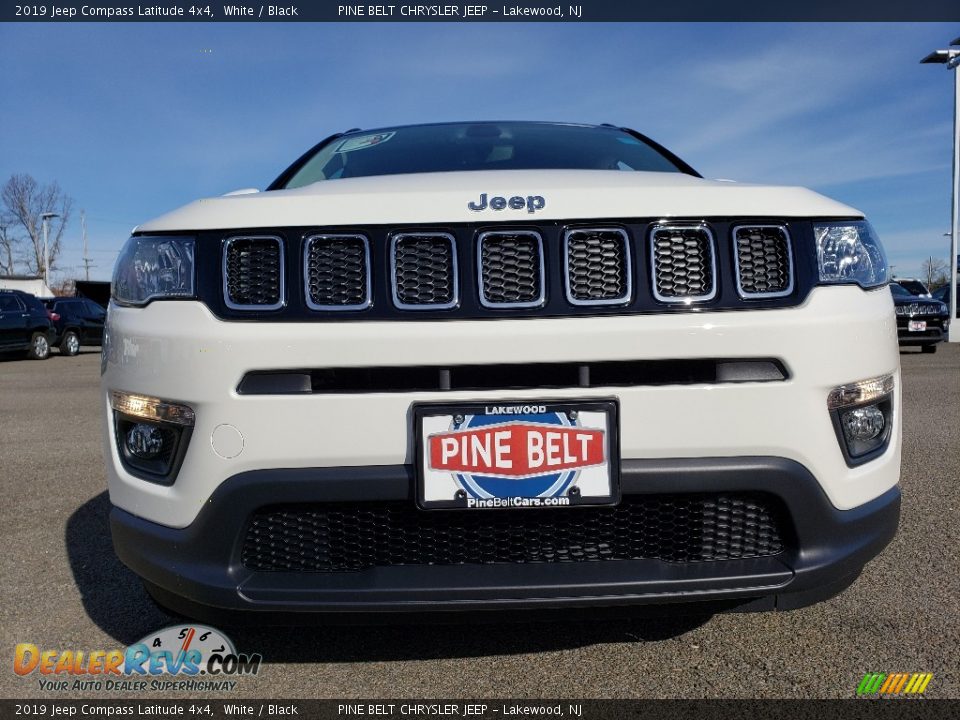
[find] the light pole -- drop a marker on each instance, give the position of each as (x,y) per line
(951,58)
(46,217)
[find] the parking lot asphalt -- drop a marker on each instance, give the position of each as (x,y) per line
(63,588)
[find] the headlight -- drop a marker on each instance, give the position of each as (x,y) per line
(152,268)
(850,252)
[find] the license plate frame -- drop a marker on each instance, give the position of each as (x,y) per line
(604,476)
(917,325)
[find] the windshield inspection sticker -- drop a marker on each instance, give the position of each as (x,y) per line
(366,141)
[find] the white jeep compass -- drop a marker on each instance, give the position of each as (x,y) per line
(500,365)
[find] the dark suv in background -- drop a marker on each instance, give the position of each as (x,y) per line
(919,322)
(77,321)
(25,324)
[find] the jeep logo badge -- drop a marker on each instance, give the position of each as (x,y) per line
(531,202)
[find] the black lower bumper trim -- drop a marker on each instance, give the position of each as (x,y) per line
(931,336)
(197,569)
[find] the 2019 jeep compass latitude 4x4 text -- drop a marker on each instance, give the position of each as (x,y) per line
(500,365)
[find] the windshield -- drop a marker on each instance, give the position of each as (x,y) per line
(478,146)
(914,287)
(899,291)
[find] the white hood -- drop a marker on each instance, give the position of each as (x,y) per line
(444,197)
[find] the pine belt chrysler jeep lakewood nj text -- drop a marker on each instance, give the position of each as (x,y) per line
(500,365)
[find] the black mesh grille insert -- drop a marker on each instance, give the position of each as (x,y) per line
(337,271)
(338,537)
(254,271)
(511,268)
(424,269)
(763,259)
(598,267)
(682,262)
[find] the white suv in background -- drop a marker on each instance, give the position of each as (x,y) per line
(500,365)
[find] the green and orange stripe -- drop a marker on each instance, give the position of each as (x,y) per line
(894,683)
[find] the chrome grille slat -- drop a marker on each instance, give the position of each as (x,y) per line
(597,266)
(253,273)
(336,271)
(764,265)
(510,269)
(684,262)
(423,270)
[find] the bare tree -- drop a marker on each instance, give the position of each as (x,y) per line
(26,200)
(64,288)
(932,269)
(7,243)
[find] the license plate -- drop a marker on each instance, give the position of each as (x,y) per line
(517,455)
(918,325)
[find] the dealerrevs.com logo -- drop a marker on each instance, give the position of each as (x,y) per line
(200,657)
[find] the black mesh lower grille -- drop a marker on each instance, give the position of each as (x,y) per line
(763,259)
(337,271)
(340,537)
(423,270)
(683,262)
(511,268)
(253,268)
(597,265)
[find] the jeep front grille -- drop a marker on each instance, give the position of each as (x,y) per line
(529,269)
(511,269)
(350,537)
(597,262)
(336,272)
(684,263)
(253,273)
(764,265)
(918,309)
(424,271)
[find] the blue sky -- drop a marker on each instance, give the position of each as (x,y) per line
(136,119)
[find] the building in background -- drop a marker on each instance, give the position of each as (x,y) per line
(33,284)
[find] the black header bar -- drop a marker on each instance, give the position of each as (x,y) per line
(569,709)
(568,11)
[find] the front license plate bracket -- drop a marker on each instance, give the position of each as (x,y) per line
(513,455)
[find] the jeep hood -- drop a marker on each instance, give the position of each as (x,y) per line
(444,197)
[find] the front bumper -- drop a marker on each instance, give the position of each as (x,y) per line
(198,570)
(936,332)
(180,352)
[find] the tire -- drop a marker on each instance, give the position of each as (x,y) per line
(39,347)
(70,344)
(928,348)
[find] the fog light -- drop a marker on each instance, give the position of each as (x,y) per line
(151,434)
(862,414)
(862,424)
(144,441)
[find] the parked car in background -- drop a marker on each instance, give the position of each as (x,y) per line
(943,295)
(76,321)
(919,322)
(914,287)
(24,325)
